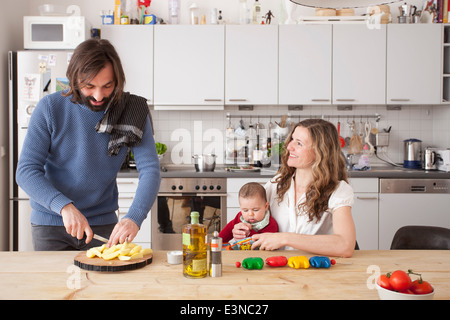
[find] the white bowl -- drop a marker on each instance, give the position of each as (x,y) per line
(386,294)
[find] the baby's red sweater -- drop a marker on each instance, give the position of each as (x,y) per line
(227,233)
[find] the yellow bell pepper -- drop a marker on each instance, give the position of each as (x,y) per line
(298,262)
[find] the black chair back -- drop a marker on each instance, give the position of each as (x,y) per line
(421,238)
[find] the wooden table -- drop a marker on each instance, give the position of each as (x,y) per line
(52,275)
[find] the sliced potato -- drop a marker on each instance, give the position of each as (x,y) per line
(146,251)
(125,252)
(111,255)
(93,252)
(137,255)
(135,250)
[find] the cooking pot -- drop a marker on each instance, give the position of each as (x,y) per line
(204,162)
(412,154)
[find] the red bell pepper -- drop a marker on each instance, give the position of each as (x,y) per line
(278,261)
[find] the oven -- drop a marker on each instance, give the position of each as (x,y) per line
(176,199)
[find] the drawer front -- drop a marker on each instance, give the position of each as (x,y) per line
(234,184)
(364,184)
(127,185)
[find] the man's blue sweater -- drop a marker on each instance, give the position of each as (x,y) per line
(65,160)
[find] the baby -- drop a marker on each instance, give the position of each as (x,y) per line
(254,216)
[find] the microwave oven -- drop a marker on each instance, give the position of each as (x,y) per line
(54,32)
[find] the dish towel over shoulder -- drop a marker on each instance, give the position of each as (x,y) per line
(125,122)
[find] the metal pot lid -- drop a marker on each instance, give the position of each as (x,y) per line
(196,156)
(412,140)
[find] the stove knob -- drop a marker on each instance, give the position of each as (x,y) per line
(204,187)
(173,187)
(180,187)
(211,187)
(197,187)
(218,187)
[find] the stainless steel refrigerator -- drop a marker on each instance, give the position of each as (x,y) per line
(32,75)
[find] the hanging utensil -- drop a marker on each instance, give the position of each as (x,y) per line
(240,130)
(341,139)
(367,140)
(356,143)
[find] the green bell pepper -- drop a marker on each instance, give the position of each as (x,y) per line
(253,263)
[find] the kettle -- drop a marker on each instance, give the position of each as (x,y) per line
(430,159)
(412,154)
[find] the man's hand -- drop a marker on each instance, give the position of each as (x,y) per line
(76,223)
(125,229)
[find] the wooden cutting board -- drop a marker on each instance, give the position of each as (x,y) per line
(114,265)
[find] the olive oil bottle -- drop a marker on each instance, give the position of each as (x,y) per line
(195,245)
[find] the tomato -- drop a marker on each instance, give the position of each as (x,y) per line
(421,287)
(400,280)
(383,281)
(407,291)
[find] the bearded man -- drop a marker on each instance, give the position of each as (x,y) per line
(75,145)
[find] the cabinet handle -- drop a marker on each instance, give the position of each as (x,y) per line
(237,100)
(316,100)
(367,198)
(211,100)
(345,99)
(126,198)
(399,99)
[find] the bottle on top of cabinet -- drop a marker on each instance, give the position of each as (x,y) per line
(257,12)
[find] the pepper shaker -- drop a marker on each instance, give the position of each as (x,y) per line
(215,255)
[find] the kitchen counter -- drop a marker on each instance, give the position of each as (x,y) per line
(188,171)
(52,275)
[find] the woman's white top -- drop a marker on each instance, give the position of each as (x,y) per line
(290,219)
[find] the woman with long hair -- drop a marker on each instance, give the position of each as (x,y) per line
(310,197)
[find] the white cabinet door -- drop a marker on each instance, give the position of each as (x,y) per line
(127,190)
(305,55)
(365,212)
(414,63)
(359,62)
(134,44)
(251,64)
(189,65)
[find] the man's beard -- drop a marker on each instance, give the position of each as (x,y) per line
(87,102)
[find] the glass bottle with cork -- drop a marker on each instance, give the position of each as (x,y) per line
(195,245)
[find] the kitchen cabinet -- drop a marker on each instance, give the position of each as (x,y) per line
(251,64)
(414,63)
(127,190)
(138,66)
(305,56)
(446,65)
(359,59)
(365,212)
(189,65)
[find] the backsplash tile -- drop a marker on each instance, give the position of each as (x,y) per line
(190,132)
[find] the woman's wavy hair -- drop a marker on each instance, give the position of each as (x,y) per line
(88,59)
(328,168)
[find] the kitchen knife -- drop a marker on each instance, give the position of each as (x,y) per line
(100,238)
